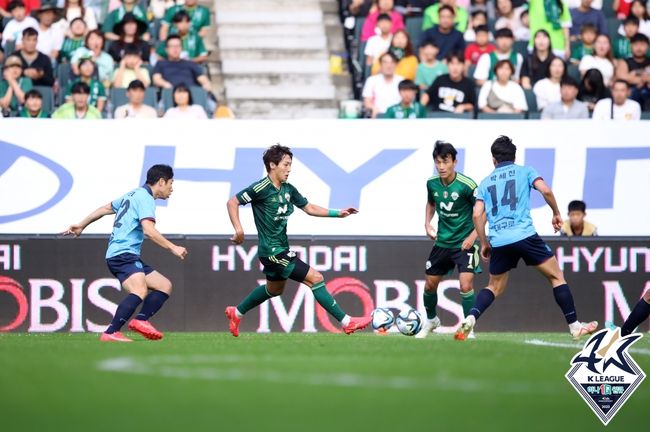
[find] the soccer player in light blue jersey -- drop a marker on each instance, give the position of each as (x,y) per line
(136,219)
(503,199)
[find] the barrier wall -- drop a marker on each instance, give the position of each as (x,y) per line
(50,284)
(54,173)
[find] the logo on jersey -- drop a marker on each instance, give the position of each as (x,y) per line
(283,209)
(454,196)
(447,206)
(605,374)
(445,194)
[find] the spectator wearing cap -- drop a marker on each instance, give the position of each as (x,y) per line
(381,91)
(174,70)
(130,69)
(50,37)
(383,7)
(618,107)
(13,85)
(380,42)
(407,62)
(199,19)
(408,107)
(568,108)
(117,15)
(502,95)
(94,48)
(431,15)
(192,45)
(451,92)
(576,225)
(444,35)
(430,67)
(97,91)
(20,21)
(33,107)
(480,46)
(636,70)
(74,40)
(136,107)
(130,31)
(503,42)
(585,14)
(78,108)
(183,106)
(36,65)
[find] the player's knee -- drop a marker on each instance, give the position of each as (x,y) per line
(275,290)
(167,287)
(465,287)
(317,277)
(430,289)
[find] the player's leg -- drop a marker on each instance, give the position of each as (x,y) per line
(430,300)
(468,264)
(136,285)
(639,314)
(484,299)
(160,289)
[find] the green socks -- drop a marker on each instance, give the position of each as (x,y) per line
(325,299)
(467,299)
(258,296)
(430,303)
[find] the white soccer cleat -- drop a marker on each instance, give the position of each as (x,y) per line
(428,326)
(465,328)
(471,335)
(585,328)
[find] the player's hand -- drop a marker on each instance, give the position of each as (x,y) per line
(467,244)
(486,251)
(73,230)
(557,222)
(179,251)
(431,232)
(238,237)
(347,212)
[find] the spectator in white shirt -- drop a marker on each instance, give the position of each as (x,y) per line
(13,31)
(601,59)
(503,42)
(76,9)
(547,90)
(502,95)
(381,91)
(618,107)
(183,106)
(50,37)
(568,107)
(379,43)
(136,107)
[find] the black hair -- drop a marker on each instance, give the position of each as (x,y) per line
(431,43)
(590,27)
(504,62)
(15,4)
(136,84)
(33,94)
(172,37)
(592,86)
(504,32)
(78,19)
(639,37)
(447,8)
(389,54)
(274,154)
(482,28)
(29,31)
(621,81)
(479,12)
(80,87)
(131,49)
(455,55)
(569,81)
(384,17)
(96,33)
(631,19)
(503,150)
(158,172)
(577,205)
(407,84)
(442,149)
(180,16)
(645,9)
(183,88)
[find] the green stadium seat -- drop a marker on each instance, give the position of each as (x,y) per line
(498,116)
(521,47)
(612,28)
(573,71)
(645,115)
(414,29)
(10,47)
(470,71)
(444,114)
(534,115)
(358,26)
(48,98)
(608,10)
(199,97)
(63,73)
(118,97)
(531,100)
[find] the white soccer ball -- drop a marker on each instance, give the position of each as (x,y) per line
(382,319)
(409,322)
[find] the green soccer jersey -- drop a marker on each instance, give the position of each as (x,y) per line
(271,210)
(199,16)
(454,204)
(415,111)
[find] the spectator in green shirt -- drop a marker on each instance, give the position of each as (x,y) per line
(33,107)
(78,108)
(78,29)
(96,89)
(408,108)
(199,17)
(13,85)
(622,48)
(193,47)
(554,17)
(116,16)
(430,67)
(431,17)
(588,35)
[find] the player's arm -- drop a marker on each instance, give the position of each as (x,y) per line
(479,217)
(549,197)
(77,229)
(149,229)
(429,211)
(318,211)
(233,212)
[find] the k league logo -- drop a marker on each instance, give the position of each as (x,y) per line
(605,374)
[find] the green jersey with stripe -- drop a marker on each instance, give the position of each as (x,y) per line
(271,210)
(454,203)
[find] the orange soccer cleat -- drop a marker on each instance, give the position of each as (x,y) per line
(145,329)
(114,337)
(233,320)
(357,324)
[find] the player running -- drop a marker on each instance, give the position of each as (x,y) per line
(639,314)
(273,199)
(135,219)
(505,195)
(453,194)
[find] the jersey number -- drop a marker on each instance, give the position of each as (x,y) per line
(121,212)
(509,197)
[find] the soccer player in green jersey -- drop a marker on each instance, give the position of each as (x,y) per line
(273,200)
(452,195)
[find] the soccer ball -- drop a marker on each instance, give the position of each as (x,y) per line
(409,322)
(382,319)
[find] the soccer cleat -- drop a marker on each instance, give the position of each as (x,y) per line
(233,320)
(145,329)
(357,324)
(465,328)
(585,329)
(114,337)
(471,335)
(428,326)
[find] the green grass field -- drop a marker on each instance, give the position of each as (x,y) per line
(299,382)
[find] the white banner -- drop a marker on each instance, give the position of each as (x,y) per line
(53,173)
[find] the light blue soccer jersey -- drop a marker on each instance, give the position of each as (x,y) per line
(131,209)
(506,194)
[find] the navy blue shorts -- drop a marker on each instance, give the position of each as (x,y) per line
(124,265)
(532,250)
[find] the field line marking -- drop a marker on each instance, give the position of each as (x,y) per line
(539,342)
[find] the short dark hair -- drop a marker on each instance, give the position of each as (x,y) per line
(29,31)
(180,16)
(407,84)
(447,8)
(80,87)
(274,154)
(482,28)
(78,19)
(504,62)
(431,43)
(158,172)
(621,81)
(504,33)
(442,149)
(172,37)
(131,49)
(639,37)
(589,27)
(631,20)
(384,17)
(503,150)
(389,54)
(455,55)
(569,81)
(479,12)
(183,88)
(136,84)
(33,94)
(577,205)
(15,4)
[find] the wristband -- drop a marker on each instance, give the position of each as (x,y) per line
(333,213)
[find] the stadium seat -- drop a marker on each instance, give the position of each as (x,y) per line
(534,115)
(521,47)
(470,71)
(531,100)
(358,26)
(63,74)
(48,98)
(10,47)
(444,114)
(199,97)
(414,29)
(573,71)
(608,10)
(612,28)
(118,97)
(498,116)
(645,115)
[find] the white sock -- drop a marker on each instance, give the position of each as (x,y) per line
(574,327)
(346,320)
(239,314)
